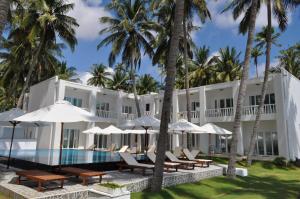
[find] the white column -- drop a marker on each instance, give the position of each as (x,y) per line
(119,107)
(202,100)
(89,138)
(240,144)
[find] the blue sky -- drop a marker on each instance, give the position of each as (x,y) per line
(221,31)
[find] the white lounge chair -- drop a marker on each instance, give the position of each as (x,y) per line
(131,162)
(186,163)
(201,162)
(152,157)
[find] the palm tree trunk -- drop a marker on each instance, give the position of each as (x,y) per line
(256,69)
(166,109)
(33,64)
(137,104)
(4,6)
(187,86)
(242,92)
(264,86)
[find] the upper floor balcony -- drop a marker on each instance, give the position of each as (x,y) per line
(195,115)
(106,114)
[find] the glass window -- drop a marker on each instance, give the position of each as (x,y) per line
(74,101)
(272,98)
(229,102)
(104,106)
(195,105)
(260,143)
(268,140)
(127,109)
(222,103)
(71,138)
(147,107)
(275,143)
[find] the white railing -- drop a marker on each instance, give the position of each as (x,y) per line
(149,113)
(220,112)
(105,114)
(251,110)
(128,116)
(183,115)
(246,110)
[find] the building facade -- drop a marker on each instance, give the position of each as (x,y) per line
(278,135)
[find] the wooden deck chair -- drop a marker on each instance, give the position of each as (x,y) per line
(201,162)
(173,158)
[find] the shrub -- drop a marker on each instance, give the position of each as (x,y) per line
(281,162)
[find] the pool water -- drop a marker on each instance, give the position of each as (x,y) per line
(69,156)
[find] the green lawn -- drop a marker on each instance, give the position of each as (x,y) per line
(265,180)
(3,197)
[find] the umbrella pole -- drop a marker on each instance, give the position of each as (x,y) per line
(61,144)
(11,143)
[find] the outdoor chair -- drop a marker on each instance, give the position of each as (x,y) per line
(201,162)
(168,165)
(40,177)
(84,174)
(186,163)
(130,162)
(91,148)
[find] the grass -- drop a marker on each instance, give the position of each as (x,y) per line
(265,181)
(111,185)
(3,196)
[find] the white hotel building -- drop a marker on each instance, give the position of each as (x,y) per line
(279,131)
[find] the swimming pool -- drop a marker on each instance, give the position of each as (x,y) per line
(69,156)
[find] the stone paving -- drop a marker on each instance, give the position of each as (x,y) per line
(134,182)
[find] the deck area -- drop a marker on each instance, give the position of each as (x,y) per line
(134,182)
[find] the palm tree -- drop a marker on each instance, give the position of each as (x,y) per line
(129,33)
(167,101)
(99,75)
(4,7)
(119,80)
(64,72)
(267,38)
(256,52)
(250,16)
(46,21)
(203,71)
(289,59)
(227,65)
(146,84)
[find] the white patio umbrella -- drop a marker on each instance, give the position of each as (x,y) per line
(214,129)
(184,126)
(139,131)
(7,119)
(60,112)
(111,130)
(93,130)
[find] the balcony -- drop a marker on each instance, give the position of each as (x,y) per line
(128,116)
(195,115)
(105,114)
(248,113)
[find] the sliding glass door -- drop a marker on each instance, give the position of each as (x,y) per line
(71,138)
(266,143)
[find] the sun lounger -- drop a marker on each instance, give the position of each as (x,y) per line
(130,162)
(178,151)
(84,174)
(173,158)
(168,165)
(111,149)
(91,148)
(40,177)
(201,162)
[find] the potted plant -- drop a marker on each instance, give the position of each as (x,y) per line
(112,188)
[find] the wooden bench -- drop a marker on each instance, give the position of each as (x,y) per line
(40,177)
(84,174)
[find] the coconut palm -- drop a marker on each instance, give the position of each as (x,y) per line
(266,38)
(250,16)
(289,59)
(119,80)
(99,75)
(46,20)
(64,72)
(256,52)
(146,84)
(129,32)
(167,101)
(4,7)
(203,71)
(227,65)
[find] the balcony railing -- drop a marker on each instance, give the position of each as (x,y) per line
(251,110)
(220,112)
(194,115)
(128,116)
(105,114)
(246,110)
(149,113)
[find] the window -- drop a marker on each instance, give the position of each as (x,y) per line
(127,109)
(104,106)
(147,107)
(266,143)
(224,103)
(269,99)
(74,101)
(71,138)
(195,106)
(229,102)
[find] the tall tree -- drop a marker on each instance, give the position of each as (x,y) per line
(4,7)
(146,84)
(64,72)
(191,6)
(256,52)
(99,75)
(267,38)
(119,80)
(289,59)
(130,32)
(167,101)
(46,21)
(250,16)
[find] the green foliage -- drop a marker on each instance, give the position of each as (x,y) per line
(281,161)
(146,84)
(111,185)
(99,75)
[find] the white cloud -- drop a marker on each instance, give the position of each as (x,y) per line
(87,15)
(225,20)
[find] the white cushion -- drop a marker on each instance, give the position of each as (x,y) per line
(238,171)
